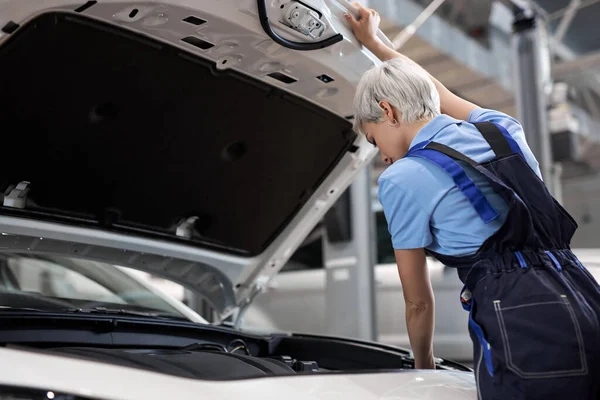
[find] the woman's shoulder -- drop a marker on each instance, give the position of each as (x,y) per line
(416,176)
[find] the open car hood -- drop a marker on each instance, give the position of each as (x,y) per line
(176,137)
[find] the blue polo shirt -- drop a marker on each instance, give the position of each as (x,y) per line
(421,203)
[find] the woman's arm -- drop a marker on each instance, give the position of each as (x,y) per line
(365,29)
(420,305)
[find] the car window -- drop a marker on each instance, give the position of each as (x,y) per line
(309,256)
(57,282)
(53,280)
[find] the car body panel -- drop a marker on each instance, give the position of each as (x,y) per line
(90,379)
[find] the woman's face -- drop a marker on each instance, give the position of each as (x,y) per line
(387,135)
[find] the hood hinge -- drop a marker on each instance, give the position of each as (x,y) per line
(17,196)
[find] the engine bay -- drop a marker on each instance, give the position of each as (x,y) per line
(198,351)
(210,362)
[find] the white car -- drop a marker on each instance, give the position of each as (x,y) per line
(295,299)
(198,141)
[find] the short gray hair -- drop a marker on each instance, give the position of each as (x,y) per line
(401,82)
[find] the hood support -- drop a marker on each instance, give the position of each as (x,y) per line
(241,310)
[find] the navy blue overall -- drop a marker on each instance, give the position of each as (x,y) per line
(534,308)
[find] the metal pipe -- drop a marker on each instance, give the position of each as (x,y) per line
(406,33)
(519,6)
(533,86)
(577,65)
(562,11)
(566,20)
(591,104)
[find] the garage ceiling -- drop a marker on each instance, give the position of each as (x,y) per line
(582,35)
(474,67)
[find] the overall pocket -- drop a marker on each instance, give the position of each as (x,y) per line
(542,339)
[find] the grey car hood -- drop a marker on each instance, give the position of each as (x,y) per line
(176,138)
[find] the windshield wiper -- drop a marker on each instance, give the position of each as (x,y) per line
(121,311)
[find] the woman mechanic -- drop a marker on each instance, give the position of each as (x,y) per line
(463,186)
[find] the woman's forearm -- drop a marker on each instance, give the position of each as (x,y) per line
(420,303)
(382,51)
(420,325)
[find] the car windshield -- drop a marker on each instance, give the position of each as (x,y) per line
(50,283)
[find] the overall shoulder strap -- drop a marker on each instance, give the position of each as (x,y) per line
(501,142)
(442,156)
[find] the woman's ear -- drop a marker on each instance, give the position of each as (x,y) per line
(388,110)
